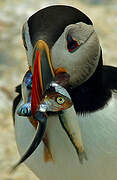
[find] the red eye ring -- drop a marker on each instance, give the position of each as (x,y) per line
(72,45)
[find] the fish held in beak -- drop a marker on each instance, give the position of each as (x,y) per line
(67,114)
(44,99)
(43,74)
(56,99)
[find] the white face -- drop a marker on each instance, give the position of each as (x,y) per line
(79,60)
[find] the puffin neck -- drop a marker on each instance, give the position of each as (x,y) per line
(91,95)
(95,81)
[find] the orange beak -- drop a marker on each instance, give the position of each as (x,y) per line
(42,71)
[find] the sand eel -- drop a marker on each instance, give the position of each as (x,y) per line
(73,45)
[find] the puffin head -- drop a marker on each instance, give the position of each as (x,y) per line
(73,42)
(78,51)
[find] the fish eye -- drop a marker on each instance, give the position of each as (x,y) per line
(60,100)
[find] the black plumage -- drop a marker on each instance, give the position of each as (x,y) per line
(49,23)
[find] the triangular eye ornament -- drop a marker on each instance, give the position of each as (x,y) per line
(72,45)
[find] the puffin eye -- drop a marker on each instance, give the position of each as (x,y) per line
(60,100)
(72,45)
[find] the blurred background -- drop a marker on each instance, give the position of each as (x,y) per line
(13,62)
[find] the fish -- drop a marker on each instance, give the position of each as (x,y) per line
(56,99)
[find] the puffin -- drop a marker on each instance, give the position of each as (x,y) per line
(78,143)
